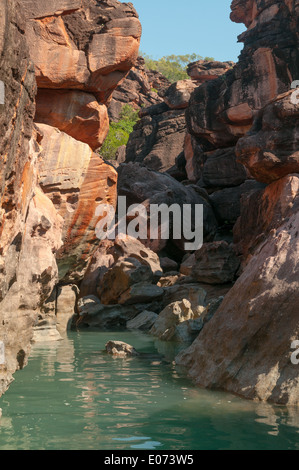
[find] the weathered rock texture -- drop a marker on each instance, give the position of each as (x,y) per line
(17,176)
(143,186)
(75,186)
(76,52)
(246,347)
(158,139)
(81,53)
(270,149)
(139,90)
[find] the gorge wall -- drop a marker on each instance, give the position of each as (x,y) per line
(246,347)
(60,63)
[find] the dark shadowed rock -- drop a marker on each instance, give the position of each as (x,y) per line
(139,90)
(144,321)
(140,185)
(216,263)
(227,202)
(270,150)
(158,138)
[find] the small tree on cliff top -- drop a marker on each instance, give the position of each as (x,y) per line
(172,67)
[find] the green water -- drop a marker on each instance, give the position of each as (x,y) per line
(73,396)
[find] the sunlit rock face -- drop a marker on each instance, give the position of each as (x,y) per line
(75,186)
(81,51)
(51,180)
(17,177)
(223,110)
(86,44)
(246,347)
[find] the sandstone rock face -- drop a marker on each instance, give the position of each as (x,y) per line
(76,113)
(81,52)
(270,150)
(139,89)
(65,307)
(264,211)
(246,347)
(159,129)
(75,186)
(247,118)
(159,137)
(221,111)
(32,283)
(51,181)
(90,46)
(26,223)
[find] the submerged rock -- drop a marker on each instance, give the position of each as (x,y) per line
(120,349)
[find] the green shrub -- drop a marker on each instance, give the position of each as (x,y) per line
(172,67)
(119,132)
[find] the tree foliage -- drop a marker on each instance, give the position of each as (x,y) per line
(119,132)
(172,67)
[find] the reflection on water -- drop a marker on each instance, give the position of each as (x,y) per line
(73,396)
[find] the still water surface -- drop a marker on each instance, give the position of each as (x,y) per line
(73,396)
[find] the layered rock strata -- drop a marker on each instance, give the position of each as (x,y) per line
(246,348)
(74,54)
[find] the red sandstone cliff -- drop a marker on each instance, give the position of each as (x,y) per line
(74,54)
(246,347)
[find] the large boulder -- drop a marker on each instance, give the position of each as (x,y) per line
(141,185)
(144,321)
(270,150)
(216,263)
(205,70)
(246,347)
(74,112)
(88,46)
(124,277)
(120,349)
(109,252)
(173,320)
(227,202)
(177,96)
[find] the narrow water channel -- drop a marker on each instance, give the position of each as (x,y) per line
(73,396)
